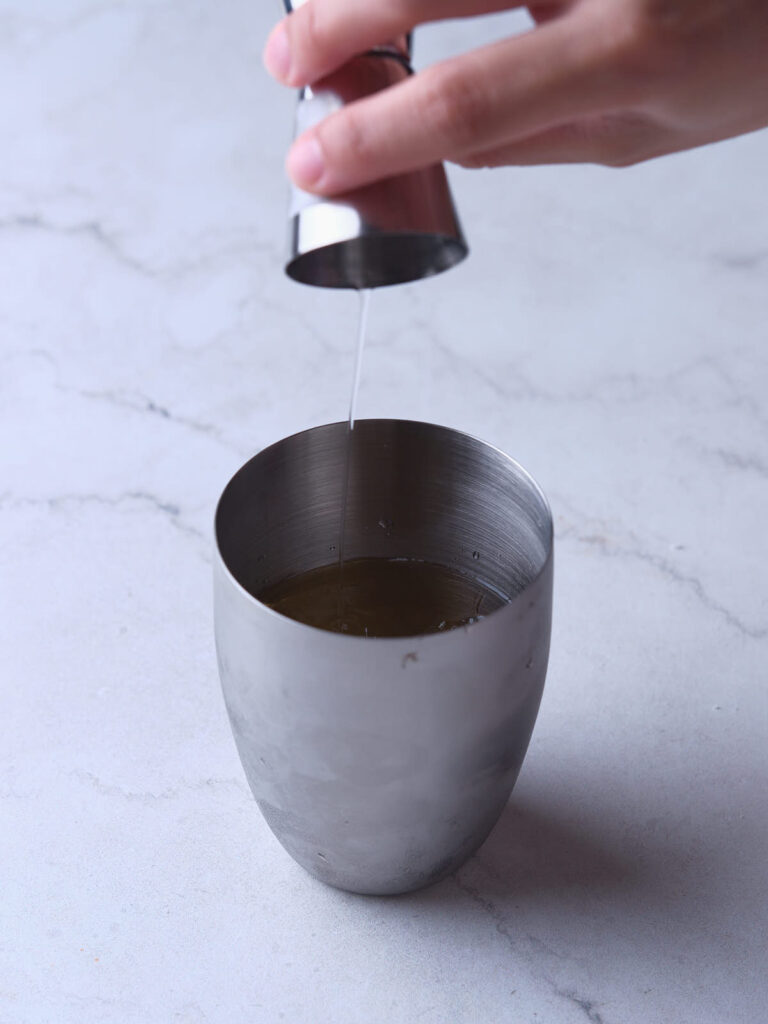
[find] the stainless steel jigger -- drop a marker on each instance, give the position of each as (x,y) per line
(396,230)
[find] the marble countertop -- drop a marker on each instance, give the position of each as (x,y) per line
(610,330)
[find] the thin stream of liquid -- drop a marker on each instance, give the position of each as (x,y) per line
(362,326)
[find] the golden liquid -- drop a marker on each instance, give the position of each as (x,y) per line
(378,597)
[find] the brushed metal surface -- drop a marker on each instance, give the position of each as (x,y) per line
(382,764)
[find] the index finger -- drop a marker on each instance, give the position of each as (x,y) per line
(321,35)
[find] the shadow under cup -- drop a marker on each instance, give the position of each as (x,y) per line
(382,764)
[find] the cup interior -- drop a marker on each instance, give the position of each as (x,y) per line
(415,491)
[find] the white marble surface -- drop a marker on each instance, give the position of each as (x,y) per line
(610,330)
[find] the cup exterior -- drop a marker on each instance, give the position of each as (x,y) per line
(381,765)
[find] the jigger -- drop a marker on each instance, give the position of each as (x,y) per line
(395,230)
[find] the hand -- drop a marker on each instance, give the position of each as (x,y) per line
(596,81)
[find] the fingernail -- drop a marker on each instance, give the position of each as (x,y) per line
(277,53)
(305,162)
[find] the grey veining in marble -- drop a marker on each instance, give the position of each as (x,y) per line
(610,331)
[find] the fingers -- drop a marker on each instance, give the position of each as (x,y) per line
(477,103)
(321,35)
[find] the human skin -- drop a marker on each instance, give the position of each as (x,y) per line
(612,82)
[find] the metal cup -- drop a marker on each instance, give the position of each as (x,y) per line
(381,765)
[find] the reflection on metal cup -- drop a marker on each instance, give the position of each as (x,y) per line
(381,765)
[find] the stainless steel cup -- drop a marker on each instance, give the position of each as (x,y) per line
(382,764)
